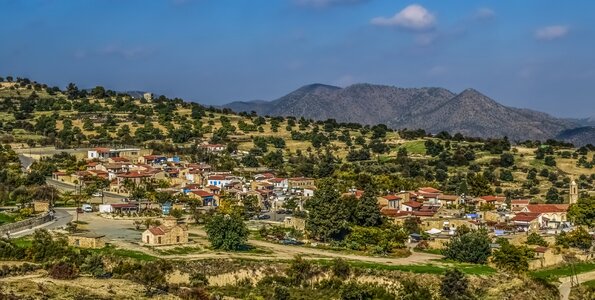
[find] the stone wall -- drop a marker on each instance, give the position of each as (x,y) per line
(25,224)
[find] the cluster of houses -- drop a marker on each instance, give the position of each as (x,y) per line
(439,212)
(127,168)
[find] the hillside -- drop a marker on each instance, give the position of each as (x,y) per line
(578,136)
(432,109)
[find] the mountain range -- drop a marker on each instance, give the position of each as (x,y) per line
(432,109)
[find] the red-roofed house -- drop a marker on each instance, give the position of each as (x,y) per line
(554,214)
(527,221)
(411,206)
(519,204)
(390,201)
(170,233)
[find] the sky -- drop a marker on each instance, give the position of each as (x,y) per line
(537,54)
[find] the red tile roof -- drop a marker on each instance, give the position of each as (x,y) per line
(520,201)
(547,208)
(102,150)
(429,189)
(412,204)
(492,198)
(216,177)
(156,231)
(525,217)
(392,197)
(448,197)
(202,193)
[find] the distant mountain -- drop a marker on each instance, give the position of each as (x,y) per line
(433,109)
(578,136)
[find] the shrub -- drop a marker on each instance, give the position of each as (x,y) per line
(63,270)
(472,247)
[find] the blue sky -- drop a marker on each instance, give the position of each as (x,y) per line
(537,54)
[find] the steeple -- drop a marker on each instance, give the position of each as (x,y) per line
(573,192)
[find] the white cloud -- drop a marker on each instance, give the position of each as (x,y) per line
(325,3)
(553,32)
(484,13)
(413,17)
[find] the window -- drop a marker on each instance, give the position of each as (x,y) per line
(77,242)
(159,240)
(147,239)
(177,239)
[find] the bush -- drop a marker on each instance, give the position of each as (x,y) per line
(227,232)
(63,270)
(536,239)
(472,247)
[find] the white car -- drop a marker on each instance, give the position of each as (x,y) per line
(97,194)
(87,208)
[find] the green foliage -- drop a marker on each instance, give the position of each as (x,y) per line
(328,216)
(536,239)
(379,240)
(578,238)
(583,212)
(341,269)
(227,232)
(367,212)
(411,290)
(511,258)
(300,271)
(472,247)
(455,286)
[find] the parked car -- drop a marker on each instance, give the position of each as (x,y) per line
(98,194)
(264,217)
(291,242)
(87,208)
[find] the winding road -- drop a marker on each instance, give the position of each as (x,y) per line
(565,287)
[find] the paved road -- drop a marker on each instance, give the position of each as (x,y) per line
(565,287)
(63,216)
(26,161)
(122,234)
(108,197)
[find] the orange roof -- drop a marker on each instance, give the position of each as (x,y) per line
(102,150)
(202,193)
(525,217)
(156,230)
(429,189)
(278,180)
(448,197)
(520,201)
(212,187)
(547,208)
(216,177)
(391,197)
(492,198)
(136,174)
(413,204)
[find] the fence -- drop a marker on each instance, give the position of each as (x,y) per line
(25,224)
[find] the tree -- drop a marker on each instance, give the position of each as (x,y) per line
(511,258)
(552,196)
(478,185)
(583,212)
(411,290)
(227,232)
(328,215)
(411,225)
(506,160)
(367,212)
(341,269)
(472,247)
(300,271)
(455,285)
(536,239)
(152,276)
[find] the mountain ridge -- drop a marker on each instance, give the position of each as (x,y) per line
(433,109)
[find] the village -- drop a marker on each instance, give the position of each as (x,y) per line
(200,186)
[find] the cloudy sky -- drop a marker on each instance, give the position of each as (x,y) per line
(537,54)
